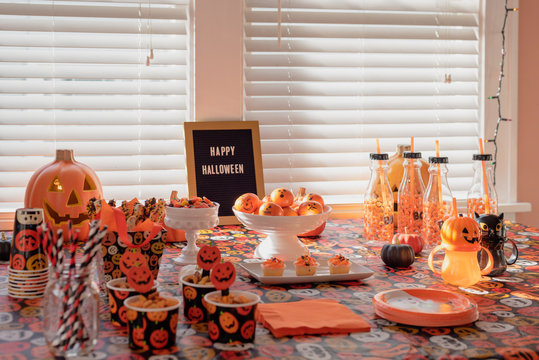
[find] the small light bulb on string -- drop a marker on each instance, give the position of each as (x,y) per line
(499,91)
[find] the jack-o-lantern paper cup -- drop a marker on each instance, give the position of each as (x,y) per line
(232,326)
(119,290)
(113,249)
(26,246)
(152,328)
(195,308)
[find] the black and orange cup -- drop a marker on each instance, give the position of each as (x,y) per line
(232,327)
(151,328)
(26,246)
(195,308)
(117,296)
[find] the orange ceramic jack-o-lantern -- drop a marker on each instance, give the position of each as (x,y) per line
(282,197)
(271,209)
(63,189)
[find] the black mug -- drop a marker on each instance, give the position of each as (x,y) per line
(496,246)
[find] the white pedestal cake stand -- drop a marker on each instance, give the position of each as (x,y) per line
(191,220)
(282,240)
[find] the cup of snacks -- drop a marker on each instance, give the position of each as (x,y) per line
(152,321)
(231,324)
(119,290)
(195,286)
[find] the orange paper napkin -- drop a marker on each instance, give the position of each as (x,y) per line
(320,316)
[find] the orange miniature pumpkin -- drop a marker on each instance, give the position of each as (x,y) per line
(271,209)
(63,188)
(247,203)
(461,234)
(310,208)
(282,197)
(288,211)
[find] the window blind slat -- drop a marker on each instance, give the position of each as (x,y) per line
(73,75)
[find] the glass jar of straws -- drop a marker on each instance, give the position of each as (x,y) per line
(437,200)
(482,197)
(411,192)
(71,313)
(378,202)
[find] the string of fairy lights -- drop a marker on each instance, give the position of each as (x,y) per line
(497,97)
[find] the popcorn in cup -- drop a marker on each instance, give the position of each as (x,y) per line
(232,325)
(152,321)
(195,308)
(119,290)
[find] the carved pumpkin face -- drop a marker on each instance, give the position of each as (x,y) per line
(248,329)
(158,247)
(159,338)
(460,234)
(247,203)
(223,275)
(138,335)
(213,330)
(195,314)
(112,304)
(157,315)
(208,256)
(130,258)
(27,240)
(63,189)
(189,292)
(140,278)
(174,322)
(228,322)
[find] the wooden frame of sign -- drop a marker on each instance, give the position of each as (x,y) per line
(223,161)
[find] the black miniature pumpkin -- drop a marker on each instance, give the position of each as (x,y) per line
(397,255)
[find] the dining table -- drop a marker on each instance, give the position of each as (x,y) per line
(507,326)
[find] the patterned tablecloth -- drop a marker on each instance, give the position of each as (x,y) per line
(507,326)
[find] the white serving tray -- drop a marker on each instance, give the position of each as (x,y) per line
(357,272)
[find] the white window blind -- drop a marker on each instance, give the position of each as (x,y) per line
(348,72)
(73,75)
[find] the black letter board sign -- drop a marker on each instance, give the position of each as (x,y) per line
(223,161)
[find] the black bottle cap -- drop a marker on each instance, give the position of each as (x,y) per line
(482,157)
(411,155)
(381,156)
(438,160)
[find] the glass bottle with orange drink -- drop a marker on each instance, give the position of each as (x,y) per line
(477,195)
(437,200)
(378,202)
(411,192)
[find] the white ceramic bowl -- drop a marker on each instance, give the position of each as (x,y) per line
(282,240)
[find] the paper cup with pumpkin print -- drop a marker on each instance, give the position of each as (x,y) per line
(195,308)
(118,292)
(151,328)
(26,245)
(232,326)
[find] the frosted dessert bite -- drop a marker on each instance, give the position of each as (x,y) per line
(273,267)
(305,265)
(339,265)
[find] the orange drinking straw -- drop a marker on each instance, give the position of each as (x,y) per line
(381,171)
(440,198)
(485,184)
(455,211)
(412,167)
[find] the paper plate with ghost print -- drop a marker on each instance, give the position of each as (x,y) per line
(425,307)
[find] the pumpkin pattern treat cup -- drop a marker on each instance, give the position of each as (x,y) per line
(195,286)
(231,324)
(152,321)
(119,290)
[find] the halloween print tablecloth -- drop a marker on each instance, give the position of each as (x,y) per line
(508,325)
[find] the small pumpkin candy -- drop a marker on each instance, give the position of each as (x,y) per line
(397,255)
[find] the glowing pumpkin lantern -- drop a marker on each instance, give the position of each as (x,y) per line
(63,188)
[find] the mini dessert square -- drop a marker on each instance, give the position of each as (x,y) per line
(273,267)
(339,265)
(305,265)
